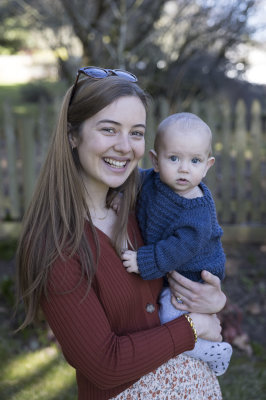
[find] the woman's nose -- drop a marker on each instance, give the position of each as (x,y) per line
(123,144)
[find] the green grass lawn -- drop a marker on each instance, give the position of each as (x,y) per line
(32,366)
(245,378)
(42,374)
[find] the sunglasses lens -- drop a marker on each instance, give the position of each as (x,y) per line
(95,72)
(126,75)
(99,73)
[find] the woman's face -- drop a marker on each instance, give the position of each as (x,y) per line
(111,143)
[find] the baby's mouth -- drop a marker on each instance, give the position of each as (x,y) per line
(182,180)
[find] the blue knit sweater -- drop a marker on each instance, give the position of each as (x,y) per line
(179,234)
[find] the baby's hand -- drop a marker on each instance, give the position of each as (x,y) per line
(116,202)
(129,258)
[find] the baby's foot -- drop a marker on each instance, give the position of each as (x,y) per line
(216,354)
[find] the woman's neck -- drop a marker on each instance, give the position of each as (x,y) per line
(95,195)
(102,217)
(106,223)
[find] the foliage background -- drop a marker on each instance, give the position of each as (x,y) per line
(189,47)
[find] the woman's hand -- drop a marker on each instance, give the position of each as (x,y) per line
(196,297)
(208,327)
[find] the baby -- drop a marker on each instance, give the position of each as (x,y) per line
(177,218)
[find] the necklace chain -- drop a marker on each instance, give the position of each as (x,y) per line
(95,216)
(102,218)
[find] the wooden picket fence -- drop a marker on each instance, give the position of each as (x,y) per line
(237,179)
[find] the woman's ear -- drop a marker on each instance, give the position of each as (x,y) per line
(154,160)
(72,141)
(72,136)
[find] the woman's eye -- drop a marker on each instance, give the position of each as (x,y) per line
(195,160)
(173,158)
(109,130)
(139,134)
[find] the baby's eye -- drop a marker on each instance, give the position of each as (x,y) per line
(173,158)
(195,160)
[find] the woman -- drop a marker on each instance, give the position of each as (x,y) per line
(105,319)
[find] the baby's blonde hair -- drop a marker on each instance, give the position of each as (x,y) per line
(182,120)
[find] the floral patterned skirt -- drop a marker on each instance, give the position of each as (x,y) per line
(181,378)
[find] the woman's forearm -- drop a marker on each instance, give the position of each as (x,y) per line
(207,326)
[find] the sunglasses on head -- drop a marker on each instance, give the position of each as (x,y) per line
(99,73)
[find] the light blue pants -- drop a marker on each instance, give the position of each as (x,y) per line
(216,354)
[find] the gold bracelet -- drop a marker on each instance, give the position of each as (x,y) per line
(191,323)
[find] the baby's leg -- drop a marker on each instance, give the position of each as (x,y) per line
(167,311)
(216,354)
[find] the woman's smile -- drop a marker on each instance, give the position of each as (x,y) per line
(115,163)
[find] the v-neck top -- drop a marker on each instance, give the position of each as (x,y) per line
(112,336)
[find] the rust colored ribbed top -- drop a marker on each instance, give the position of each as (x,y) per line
(113,336)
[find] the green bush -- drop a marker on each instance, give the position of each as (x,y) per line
(34,92)
(7,249)
(7,290)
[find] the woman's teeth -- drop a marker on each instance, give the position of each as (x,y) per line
(115,163)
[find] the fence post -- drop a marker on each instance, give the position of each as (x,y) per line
(241,138)
(226,190)
(42,129)
(149,137)
(2,198)
(27,140)
(164,108)
(256,136)
(213,174)
(11,162)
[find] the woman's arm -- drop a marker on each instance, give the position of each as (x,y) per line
(196,297)
(83,328)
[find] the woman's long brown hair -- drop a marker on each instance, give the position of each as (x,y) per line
(53,225)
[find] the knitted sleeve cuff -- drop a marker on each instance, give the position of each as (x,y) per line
(146,261)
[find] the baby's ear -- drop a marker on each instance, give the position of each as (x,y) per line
(154,160)
(210,162)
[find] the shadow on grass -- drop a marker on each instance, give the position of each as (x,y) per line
(40,375)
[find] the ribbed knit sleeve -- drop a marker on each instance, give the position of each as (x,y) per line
(110,335)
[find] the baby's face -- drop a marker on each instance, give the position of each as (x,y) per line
(183,157)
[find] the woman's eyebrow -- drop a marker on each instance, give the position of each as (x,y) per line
(110,121)
(139,126)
